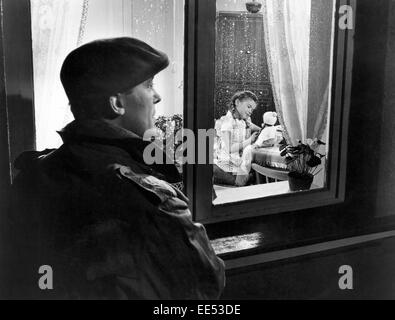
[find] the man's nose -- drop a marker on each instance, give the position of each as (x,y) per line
(157,98)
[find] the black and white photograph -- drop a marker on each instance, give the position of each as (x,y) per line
(219,151)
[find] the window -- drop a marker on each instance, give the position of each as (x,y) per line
(60,26)
(283,56)
(296,60)
(35,47)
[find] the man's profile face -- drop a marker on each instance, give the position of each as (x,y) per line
(139,104)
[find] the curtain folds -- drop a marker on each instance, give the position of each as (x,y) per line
(55,31)
(298,42)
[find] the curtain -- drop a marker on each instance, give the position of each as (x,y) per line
(59,26)
(321,46)
(298,42)
(161,24)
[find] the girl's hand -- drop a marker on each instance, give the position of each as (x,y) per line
(254,137)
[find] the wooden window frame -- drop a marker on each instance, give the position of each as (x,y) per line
(199,112)
(17,72)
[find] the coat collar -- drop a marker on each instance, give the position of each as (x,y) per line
(104,133)
(95,128)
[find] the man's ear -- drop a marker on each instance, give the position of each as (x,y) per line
(116,106)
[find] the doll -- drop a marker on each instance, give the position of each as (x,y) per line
(268,134)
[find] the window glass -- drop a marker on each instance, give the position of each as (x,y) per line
(62,25)
(273,81)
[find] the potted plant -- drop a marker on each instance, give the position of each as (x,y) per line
(303,163)
(167,128)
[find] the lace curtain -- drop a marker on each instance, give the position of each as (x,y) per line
(298,40)
(55,32)
(60,26)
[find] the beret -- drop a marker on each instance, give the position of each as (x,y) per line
(110,66)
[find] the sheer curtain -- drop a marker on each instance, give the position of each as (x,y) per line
(55,32)
(298,42)
(60,26)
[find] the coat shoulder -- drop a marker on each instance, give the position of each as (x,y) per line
(161,189)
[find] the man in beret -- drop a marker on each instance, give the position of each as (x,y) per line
(107,224)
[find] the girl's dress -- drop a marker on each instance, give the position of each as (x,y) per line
(239,162)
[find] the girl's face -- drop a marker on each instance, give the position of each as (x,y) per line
(245,107)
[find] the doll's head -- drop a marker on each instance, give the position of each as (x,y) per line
(269,118)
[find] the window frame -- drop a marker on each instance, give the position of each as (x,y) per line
(18,75)
(199,111)
(5,156)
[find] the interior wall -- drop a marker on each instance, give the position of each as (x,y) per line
(317,276)
(386,146)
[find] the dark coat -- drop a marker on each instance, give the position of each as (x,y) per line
(110,226)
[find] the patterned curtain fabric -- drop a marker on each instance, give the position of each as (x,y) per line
(297,41)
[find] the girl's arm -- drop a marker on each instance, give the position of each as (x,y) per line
(236,147)
(254,127)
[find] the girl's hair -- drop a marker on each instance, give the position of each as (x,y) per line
(241,95)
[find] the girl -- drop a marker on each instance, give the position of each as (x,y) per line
(236,135)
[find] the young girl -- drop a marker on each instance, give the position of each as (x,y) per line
(236,135)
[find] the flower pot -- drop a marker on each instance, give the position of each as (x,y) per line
(299,182)
(253,6)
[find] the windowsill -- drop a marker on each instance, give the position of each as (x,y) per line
(247,239)
(259,258)
(223,246)
(232,195)
(254,248)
